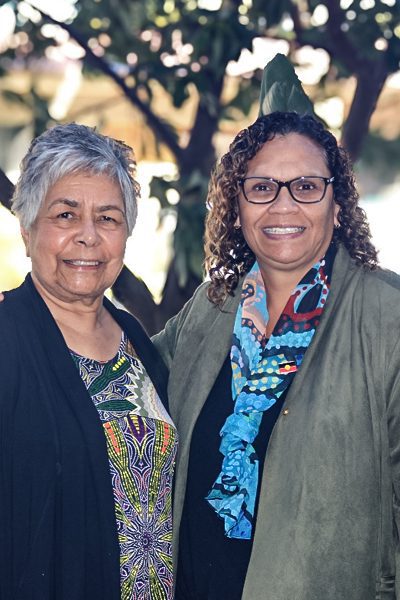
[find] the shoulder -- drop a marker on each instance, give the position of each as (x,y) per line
(199,300)
(380,291)
(14,308)
(195,319)
(381,301)
(374,301)
(199,311)
(16,322)
(362,280)
(385,280)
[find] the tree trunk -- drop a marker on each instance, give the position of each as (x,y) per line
(370,81)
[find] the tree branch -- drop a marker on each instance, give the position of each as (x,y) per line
(346,52)
(154,122)
(6,190)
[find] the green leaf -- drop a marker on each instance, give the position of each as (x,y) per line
(281,89)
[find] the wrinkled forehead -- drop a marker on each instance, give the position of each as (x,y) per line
(78,189)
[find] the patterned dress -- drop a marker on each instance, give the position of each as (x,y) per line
(141,444)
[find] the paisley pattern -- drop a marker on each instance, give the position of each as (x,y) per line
(262,369)
(141,444)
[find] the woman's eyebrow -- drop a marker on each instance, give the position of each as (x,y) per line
(75,204)
(67,201)
(106,207)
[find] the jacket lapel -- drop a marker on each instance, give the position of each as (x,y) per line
(207,341)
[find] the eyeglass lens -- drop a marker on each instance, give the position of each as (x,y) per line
(304,189)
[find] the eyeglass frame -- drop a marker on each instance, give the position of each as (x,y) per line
(286,184)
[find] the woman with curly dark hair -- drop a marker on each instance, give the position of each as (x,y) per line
(227,253)
(285,382)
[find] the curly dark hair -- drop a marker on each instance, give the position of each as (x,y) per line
(227,254)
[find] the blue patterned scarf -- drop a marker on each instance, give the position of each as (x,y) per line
(262,370)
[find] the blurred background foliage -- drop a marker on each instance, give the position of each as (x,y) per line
(192,71)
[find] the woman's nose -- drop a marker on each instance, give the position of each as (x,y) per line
(87,233)
(284,202)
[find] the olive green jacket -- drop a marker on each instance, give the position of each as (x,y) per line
(329,507)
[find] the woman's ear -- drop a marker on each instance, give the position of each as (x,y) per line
(237,224)
(335,215)
(26,238)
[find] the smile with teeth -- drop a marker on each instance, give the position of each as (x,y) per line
(83,263)
(283,230)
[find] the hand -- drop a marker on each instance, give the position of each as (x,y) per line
(1,296)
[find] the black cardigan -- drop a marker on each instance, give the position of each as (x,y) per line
(58,535)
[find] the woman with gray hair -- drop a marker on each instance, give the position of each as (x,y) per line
(87,448)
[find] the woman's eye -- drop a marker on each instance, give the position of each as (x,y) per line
(307,186)
(262,187)
(107,219)
(65,215)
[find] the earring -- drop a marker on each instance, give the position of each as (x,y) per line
(236,227)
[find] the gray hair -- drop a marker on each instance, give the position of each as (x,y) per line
(68,149)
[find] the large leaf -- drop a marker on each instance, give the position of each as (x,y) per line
(281,89)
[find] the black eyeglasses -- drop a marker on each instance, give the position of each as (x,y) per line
(264,190)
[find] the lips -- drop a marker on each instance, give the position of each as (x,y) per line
(283,230)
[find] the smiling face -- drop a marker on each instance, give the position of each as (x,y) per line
(77,243)
(285,236)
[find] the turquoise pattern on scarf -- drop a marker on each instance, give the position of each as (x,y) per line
(262,370)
